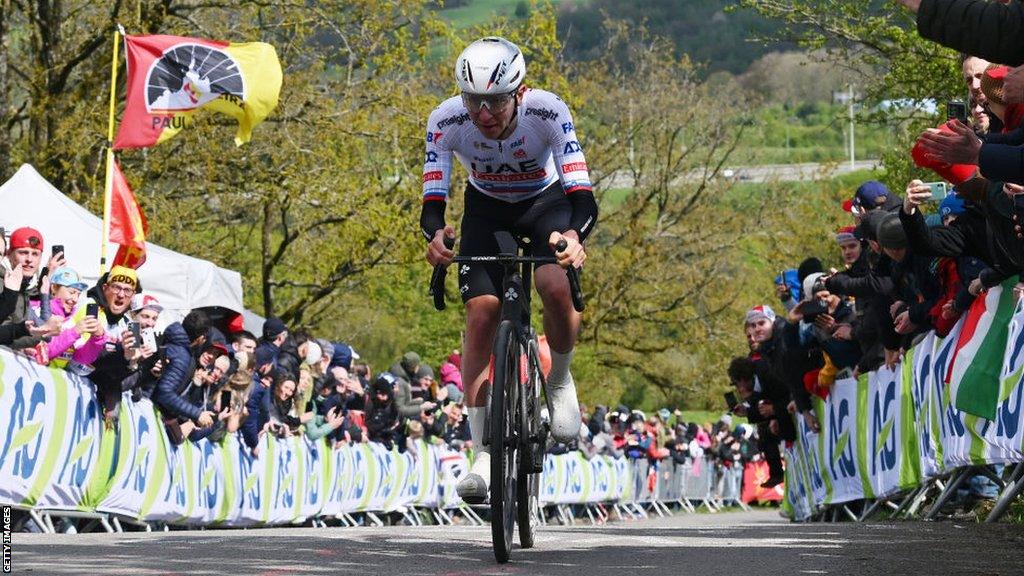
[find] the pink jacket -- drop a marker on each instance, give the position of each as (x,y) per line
(61,346)
(450,374)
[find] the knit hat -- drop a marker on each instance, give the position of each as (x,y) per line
(890,232)
(758,312)
(124,275)
(846,234)
(992,84)
(807,267)
(952,205)
(26,238)
(273,328)
(410,361)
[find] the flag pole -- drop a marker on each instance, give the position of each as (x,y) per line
(109,180)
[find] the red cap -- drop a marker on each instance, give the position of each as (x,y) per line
(26,238)
(955,173)
(848,205)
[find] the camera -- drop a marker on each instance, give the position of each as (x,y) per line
(812,309)
(956,110)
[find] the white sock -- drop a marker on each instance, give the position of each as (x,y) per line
(559,374)
(477,427)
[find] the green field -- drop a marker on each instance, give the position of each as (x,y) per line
(480,11)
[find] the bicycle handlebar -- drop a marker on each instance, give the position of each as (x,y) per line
(440,273)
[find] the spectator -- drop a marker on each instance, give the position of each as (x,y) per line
(280,404)
(451,374)
(181,340)
(274,335)
(382,419)
(243,341)
(21,278)
(80,341)
(256,416)
(141,382)
(455,430)
(961,236)
(120,358)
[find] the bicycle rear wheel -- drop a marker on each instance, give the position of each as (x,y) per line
(504,440)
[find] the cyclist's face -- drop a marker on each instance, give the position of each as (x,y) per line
(492,116)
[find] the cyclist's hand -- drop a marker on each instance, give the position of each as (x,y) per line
(573,255)
(437,252)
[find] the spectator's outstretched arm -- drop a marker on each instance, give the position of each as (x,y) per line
(863,287)
(938,241)
(251,426)
(11,332)
(1002,163)
(993,31)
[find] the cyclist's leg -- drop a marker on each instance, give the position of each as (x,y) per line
(479,285)
(551,213)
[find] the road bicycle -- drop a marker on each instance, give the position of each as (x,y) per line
(515,434)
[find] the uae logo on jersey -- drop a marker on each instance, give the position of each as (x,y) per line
(188,76)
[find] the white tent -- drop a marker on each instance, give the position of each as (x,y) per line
(180,282)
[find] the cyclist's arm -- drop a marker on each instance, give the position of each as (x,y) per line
(573,173)
(437,168)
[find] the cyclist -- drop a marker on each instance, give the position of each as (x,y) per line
(527,175)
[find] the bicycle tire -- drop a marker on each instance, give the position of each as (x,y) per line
(528,481)
(503,421)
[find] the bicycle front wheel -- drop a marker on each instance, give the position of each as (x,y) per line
(531,448)
(503,440)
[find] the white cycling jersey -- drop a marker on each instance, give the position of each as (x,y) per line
(542,148)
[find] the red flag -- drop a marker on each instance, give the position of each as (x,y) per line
(128,226)
(172,77)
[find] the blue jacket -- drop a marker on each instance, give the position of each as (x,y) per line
(176,376)
(257,418)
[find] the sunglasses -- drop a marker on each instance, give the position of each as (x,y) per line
(494,102)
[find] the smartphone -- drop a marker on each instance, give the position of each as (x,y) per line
(938,189)
(956,109)
(149,338)
(730,400)
(57,249)
(225,399)
(92,309)
(136,334)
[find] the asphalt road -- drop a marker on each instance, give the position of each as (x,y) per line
(733,544)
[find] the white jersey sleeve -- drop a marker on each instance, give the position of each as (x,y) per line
(569,160)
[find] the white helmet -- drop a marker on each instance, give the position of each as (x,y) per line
(491,65)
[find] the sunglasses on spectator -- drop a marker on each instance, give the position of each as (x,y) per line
(494,102)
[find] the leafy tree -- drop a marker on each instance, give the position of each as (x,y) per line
(878,42)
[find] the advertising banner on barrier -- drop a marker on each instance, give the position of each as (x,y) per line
(49,435)
(880,423)
(839,441)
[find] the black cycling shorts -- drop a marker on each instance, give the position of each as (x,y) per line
(535,219)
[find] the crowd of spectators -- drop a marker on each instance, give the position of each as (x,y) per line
(209,377)
(903,273)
